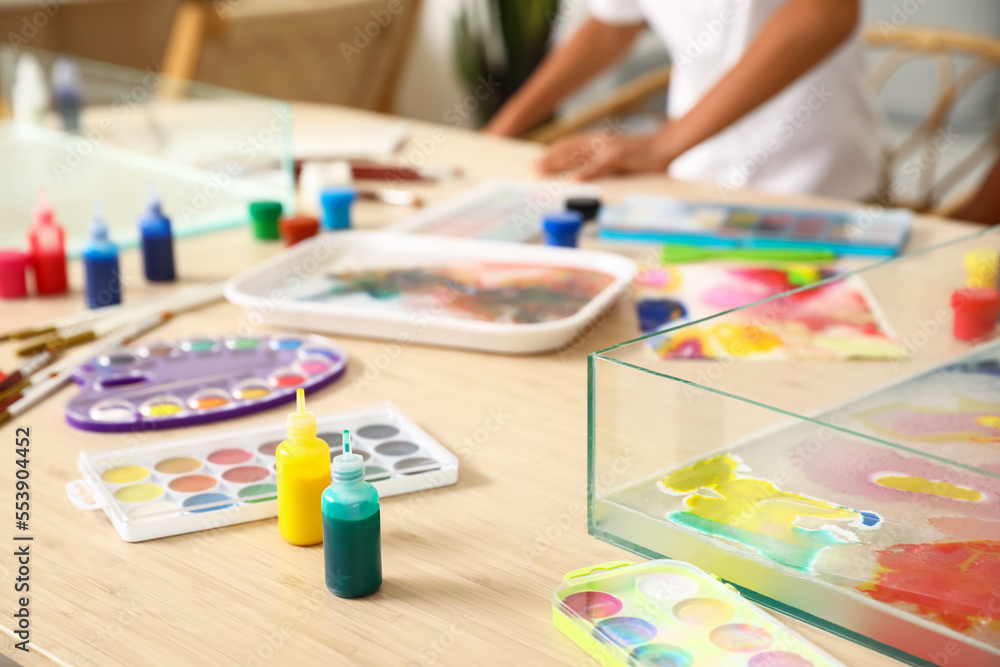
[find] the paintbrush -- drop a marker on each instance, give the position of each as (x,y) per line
(60,323)
(175,304)
(61,373)
(25,371)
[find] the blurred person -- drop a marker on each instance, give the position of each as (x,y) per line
(763,93)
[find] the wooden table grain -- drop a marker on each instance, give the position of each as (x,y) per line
(469,569)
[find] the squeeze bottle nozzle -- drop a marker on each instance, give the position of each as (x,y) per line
(301,423)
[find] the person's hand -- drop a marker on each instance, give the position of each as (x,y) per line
(597,154)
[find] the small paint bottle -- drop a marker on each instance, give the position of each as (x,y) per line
(103,285)
(67,92)
(562,229)
(335,204)
(352,532)
(303,466)
(47,249)
(264,216)
(975,312)
(157,243)
(13,266)
(298,228)
(588,207)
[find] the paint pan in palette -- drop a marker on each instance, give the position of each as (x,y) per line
(202,483)
(198,380)
(671,613)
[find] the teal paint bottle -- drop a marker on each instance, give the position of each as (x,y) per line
(352,533)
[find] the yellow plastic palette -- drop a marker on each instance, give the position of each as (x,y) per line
(667,613)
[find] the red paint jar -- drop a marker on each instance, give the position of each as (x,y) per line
(298,227)
(976,310)
(13,266)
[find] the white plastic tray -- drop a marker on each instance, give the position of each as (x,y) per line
(272,291)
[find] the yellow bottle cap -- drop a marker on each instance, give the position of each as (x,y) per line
(301,423)
(982,266)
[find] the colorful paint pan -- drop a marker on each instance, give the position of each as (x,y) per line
(230,456)
(625,630)
(178,465)
(138,493)
(741,638)
(198,380)
(116,359)
(155,349)
(112,410)
(193,484)
(662,655)
(207,502)
(125,474)
(667,613)
(208,399)
(236,472)
(397,448)
(286,377)
(150,510)
(593,604)
(248,390)
(246,474)
(378,431)
(239,343)
(313,365)
(199,344)
(160,406)
(704,611)
(258,493)
(286,343)
(268,449)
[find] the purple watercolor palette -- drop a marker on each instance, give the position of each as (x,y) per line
(199,380)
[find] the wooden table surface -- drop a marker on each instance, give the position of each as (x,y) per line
(469,569)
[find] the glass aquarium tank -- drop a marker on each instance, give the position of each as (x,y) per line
(87,132)
(833,451)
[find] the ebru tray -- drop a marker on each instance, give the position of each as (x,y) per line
(198,380)
(220,480)
(671,613)
(418,288)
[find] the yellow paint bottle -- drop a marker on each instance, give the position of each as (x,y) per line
(303,463)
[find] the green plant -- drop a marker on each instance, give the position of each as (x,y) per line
(500,42)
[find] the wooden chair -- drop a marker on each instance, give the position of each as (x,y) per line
(233,43)
(904,45)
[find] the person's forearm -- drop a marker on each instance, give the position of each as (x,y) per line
(796,38)
(594,47)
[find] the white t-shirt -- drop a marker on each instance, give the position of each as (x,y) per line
(817,136)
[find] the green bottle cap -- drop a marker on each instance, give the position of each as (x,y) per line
(265,216)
